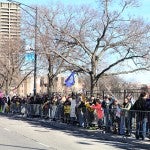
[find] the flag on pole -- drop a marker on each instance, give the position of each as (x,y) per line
(70,81)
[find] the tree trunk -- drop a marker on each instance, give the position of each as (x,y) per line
(92,84)
(7,87)
(50,86)
(50,78)
(93,74)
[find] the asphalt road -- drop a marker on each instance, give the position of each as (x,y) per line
(17,134)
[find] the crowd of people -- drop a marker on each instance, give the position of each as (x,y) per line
(104,113)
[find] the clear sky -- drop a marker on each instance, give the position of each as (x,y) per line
(142,11)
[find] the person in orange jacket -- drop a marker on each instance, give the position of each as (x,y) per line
(97,106)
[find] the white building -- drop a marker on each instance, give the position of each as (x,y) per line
(26,87)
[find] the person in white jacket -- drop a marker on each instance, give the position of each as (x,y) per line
(125,120)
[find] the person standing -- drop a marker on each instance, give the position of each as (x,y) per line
(125,119)
(148,116)
(141,118)
(106,104)
(115,112)
(99,112)
(67,105)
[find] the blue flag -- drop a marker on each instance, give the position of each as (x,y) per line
(70,81)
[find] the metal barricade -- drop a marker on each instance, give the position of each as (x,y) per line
(139,123)
(34,110)
(118,121)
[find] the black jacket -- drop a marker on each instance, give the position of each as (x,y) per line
(140,104)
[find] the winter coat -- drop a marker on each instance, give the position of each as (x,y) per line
(125,109)
(140,104)
(99,110)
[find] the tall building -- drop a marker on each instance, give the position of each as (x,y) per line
(9,21)
(9,44)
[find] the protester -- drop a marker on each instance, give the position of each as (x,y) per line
(67,105)
(73,116)
(45,108)
(106,106)
(81,112)
(125,119)
(99,112)
(89,113)
(141,118)
(148,115)
(115,110)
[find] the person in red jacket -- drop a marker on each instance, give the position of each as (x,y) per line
(99,112)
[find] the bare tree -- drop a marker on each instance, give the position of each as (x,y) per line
(52,53)
(105,41)
(11,64)
(98,42)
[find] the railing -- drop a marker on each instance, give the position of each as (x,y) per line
(117,94)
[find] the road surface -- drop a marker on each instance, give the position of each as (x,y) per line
(16,134)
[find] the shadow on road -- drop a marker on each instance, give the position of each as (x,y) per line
(129,143)
(21,147)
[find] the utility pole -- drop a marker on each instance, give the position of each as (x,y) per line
(35,40)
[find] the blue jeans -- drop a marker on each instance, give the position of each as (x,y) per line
(141,128)
(107,121)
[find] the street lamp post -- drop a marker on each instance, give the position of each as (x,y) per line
(35,54)
(35,42)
